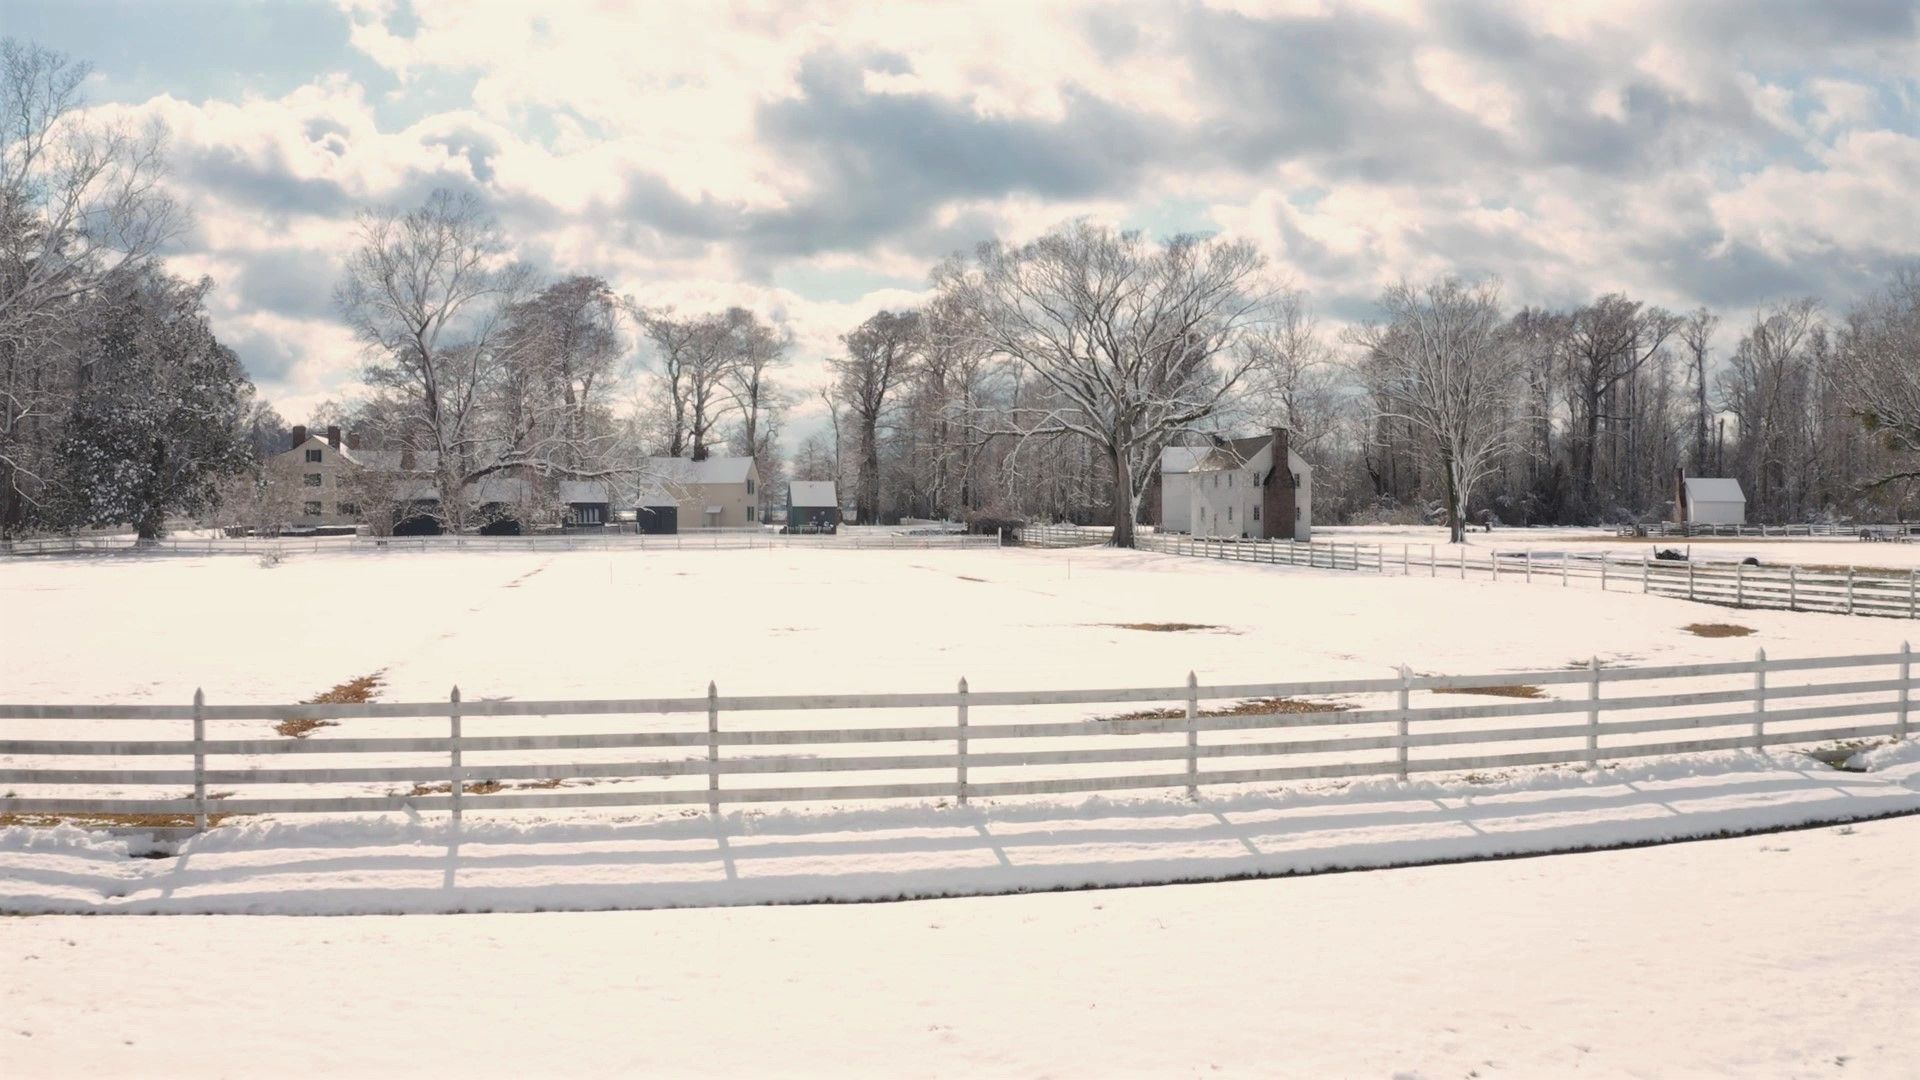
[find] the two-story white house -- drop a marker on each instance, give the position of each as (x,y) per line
(1235,490)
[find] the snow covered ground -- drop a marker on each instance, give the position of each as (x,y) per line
(1785,955)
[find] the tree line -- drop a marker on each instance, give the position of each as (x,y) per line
(1037,380)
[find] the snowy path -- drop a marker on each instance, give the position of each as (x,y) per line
(1783,955)
(500,863)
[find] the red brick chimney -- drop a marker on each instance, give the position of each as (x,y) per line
(1277,493)
(333,436)
(298,437)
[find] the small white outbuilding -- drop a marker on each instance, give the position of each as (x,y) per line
(1709,500)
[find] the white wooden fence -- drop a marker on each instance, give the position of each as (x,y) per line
(1677,529)
(1840,591)
(700,540)
(713,750)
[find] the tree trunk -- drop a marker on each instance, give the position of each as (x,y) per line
(1456,506)
(1122,501)
(869,471)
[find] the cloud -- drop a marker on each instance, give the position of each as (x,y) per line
(814,160)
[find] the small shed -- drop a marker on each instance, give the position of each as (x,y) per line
(1710,500)
(812,506)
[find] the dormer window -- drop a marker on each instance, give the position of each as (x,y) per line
(314,455)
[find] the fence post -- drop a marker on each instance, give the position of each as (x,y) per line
(1689,579)
(456,780)
(1463,561)
(1740,585)
(1793,587)
(1433,562)
(1759,698)
(1406,697)
(962,716)
(1913,609)
(713,749)
(1565,556)
(1406,567)
(1493,563)
(1529,556)
(1849,590)
(1906,686)
(1380,557)
(1646,568)
(1605,560)
(1593,713)
(199,760)
(1193,735)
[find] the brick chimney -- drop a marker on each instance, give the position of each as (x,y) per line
(1679,495)
(299,436)
(1277,493)
(333,436)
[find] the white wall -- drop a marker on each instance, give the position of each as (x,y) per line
(1176,513)
(1716,513)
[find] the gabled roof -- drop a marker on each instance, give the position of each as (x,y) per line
(583,491)
(713,470)
(812,493)
(1714,489)
(1179,459)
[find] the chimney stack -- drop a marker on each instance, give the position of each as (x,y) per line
(298,437)
(1277,515)
(1679,495)
(333,436)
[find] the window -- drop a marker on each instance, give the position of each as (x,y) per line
(1256,513)
(312,509)
(1229,511)
(313,479)
(350,509)
(1229,479)
(315,455)
(750,509)
(749,485)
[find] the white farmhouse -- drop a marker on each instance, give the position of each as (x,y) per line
(1175,486)
(1236,492)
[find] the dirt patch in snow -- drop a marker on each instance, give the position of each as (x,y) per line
(1717,629)
(1253,707)
(478,787)
(1512,690)
(1162,627)
(352,692)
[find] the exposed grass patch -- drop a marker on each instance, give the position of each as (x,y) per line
(352,692)
(109,821)
(1717,629)
(1512,690)
(1254,707)
(547,784)
(478,787)
(1162,627)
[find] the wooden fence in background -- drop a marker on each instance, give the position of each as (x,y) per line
(702,540)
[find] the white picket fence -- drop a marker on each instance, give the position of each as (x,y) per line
(1844,591)
(715,750)
(695,540)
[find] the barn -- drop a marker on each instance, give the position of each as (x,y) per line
(812,506)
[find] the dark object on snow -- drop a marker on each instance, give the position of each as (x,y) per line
(1750,561)
(1669,555)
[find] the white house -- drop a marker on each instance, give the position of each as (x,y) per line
(713,493)
(1175,486)
(1235,490)
(1708,500)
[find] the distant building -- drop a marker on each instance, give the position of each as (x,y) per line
(715,493)
(1708,500)
(317,470)
(1237,491)
(812,506)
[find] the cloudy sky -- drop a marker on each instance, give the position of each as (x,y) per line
(812,161)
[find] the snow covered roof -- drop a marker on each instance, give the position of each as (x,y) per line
(1714,489)
(583,491)
(1179,459)
(714,470)
(811,493)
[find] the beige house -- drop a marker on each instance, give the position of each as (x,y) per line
(315,469)
(1235,492)
(717,493)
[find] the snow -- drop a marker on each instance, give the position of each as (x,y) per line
(1772,956)
(1804,551)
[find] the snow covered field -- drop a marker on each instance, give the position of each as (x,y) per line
(1786,955)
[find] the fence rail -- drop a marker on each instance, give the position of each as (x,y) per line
(708,750)
(1841,591)
(1893,530)
(705,540)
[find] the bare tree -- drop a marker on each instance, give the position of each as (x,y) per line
(1878,363)
(881,356)
(1295,378)
(427,292)
(1442,362)
(1132,340)
(80,202)
(1606,341)
(1696,335)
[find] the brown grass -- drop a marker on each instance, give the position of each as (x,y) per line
(478,787)
(109,821)
(1512,690)
(1255,707)
(1717,629)
(1162,627)
(547,784)
(352,692)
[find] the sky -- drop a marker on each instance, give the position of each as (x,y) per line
(813,161)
